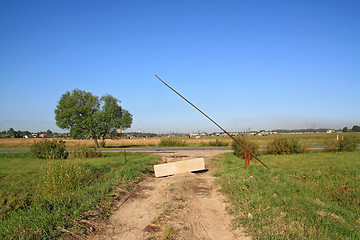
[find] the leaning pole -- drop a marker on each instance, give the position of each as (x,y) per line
(241,145)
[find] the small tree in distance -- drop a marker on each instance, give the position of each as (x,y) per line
(355,128)
(87,116)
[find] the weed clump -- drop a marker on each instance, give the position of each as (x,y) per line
(84,152)
(171,142)
(284,146)
(58,177)
(48,150)
(239,151)
(345,144)
(216,143)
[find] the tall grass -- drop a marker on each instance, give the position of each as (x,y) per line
(347,143)
(59,177)
(283,145)
(216,143)
(43,199)
(171,142)
(48,149)
(303,196)
(84,152)
(246,142)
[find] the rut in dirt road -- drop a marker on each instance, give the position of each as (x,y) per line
(184,206)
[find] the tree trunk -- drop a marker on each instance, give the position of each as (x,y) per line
(96,143)
(102,143)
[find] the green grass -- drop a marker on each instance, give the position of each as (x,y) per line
(306,140)
(32,208)
(304,196)
(172,142)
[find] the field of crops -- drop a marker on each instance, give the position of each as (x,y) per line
(311,139)
(302,196)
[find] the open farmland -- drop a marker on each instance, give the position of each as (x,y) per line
(307,140)
(303,196)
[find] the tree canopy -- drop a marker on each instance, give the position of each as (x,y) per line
(88,116)
(355,128)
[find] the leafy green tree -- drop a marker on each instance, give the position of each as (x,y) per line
(11,133)
(49,133)
(355,128)
(88,116)
(345,129)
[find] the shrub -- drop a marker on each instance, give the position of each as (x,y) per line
(347,143)
(58,177)
(171,142)
(239,151)
(217,143)
(48,149)
(283,145)
(84,152)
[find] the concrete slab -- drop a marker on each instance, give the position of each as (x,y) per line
(162,170)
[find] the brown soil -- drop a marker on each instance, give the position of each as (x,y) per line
(183,206)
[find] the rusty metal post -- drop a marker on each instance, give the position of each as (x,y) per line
(212,121)
(125,158)
(245,156)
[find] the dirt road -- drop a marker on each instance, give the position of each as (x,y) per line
(185,206)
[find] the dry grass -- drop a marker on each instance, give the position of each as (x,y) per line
(314,139)
(17,143)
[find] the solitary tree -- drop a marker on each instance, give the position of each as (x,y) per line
(88,116)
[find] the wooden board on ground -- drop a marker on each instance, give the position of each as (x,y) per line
(196,164)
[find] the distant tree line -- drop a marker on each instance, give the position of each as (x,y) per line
(355,128)
(319,130)
(11,133)
(308,130)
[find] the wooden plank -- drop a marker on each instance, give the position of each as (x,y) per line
(167,169)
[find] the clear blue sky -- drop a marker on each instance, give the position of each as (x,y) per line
(248,64)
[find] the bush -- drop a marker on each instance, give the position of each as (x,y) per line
(284,146)
(347,143)
(171,142)
(239,151)
(48,149)
(58,177)
(216,143)
(84,152)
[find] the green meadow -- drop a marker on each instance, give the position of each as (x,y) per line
(304,196)
(49,198)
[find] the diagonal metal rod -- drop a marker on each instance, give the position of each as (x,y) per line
(212,121)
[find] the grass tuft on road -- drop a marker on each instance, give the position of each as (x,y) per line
(303,196)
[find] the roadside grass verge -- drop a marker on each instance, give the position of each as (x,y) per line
(303,196)
(36,205)
(216,143)
(172,142)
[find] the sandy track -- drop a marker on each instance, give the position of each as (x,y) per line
(185,206)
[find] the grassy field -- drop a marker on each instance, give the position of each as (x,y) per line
(305,196)
(48,198)
(312,139)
